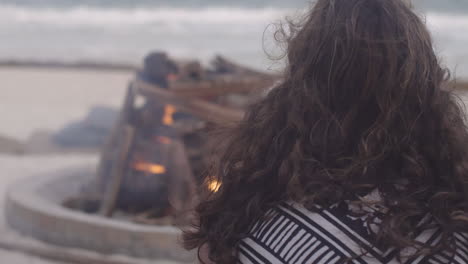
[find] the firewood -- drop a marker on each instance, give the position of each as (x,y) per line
(197,107)
(109,149)
(223,65)
(221,86)
(118,170)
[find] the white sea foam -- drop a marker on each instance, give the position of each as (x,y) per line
(95,16)
(100,16)
(445,21)
(127,34)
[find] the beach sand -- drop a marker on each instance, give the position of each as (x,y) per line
(39,99)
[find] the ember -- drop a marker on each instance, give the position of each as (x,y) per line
(169,111)
(214,185)
(163,140)
(149,167)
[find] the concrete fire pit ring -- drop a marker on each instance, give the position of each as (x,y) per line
(33,207)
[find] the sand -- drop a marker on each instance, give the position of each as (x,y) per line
(39,99)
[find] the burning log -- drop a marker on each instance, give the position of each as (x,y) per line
(148,170)
(197,107)
(154,155)
(225,85)
(117,173)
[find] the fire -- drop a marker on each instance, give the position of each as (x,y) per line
(149,167)
(169,111)
(214,185)
(172,77)
(163,140)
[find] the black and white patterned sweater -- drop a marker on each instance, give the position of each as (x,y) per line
(292,234)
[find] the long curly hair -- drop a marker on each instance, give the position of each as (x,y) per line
(364,104)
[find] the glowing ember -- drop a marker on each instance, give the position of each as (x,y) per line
(149,167)
(214,185)
(169,111)
(172,77)
(163,140)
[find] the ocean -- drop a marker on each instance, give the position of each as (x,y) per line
(124,31)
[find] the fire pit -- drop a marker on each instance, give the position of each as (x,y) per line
(33,207)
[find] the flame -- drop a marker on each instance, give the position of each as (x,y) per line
(172,77)
(169,111)
(163,140)
(214,185)
(149,167)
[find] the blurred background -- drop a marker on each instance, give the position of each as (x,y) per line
(49,81)
(124,31)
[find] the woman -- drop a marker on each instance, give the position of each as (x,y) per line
(359,156)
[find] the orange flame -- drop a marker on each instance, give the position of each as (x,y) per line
(214,185)
(163,140)
(169,111)
(149,167)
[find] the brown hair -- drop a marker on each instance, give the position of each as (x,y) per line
(364,105)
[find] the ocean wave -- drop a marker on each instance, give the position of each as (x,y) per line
(96,16)
(444,21)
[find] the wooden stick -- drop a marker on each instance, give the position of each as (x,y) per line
(231,84)
(118,170)
(223,64)
(204,110)
(109,148)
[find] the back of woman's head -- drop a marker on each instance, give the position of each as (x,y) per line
(353,51)
(363,105)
